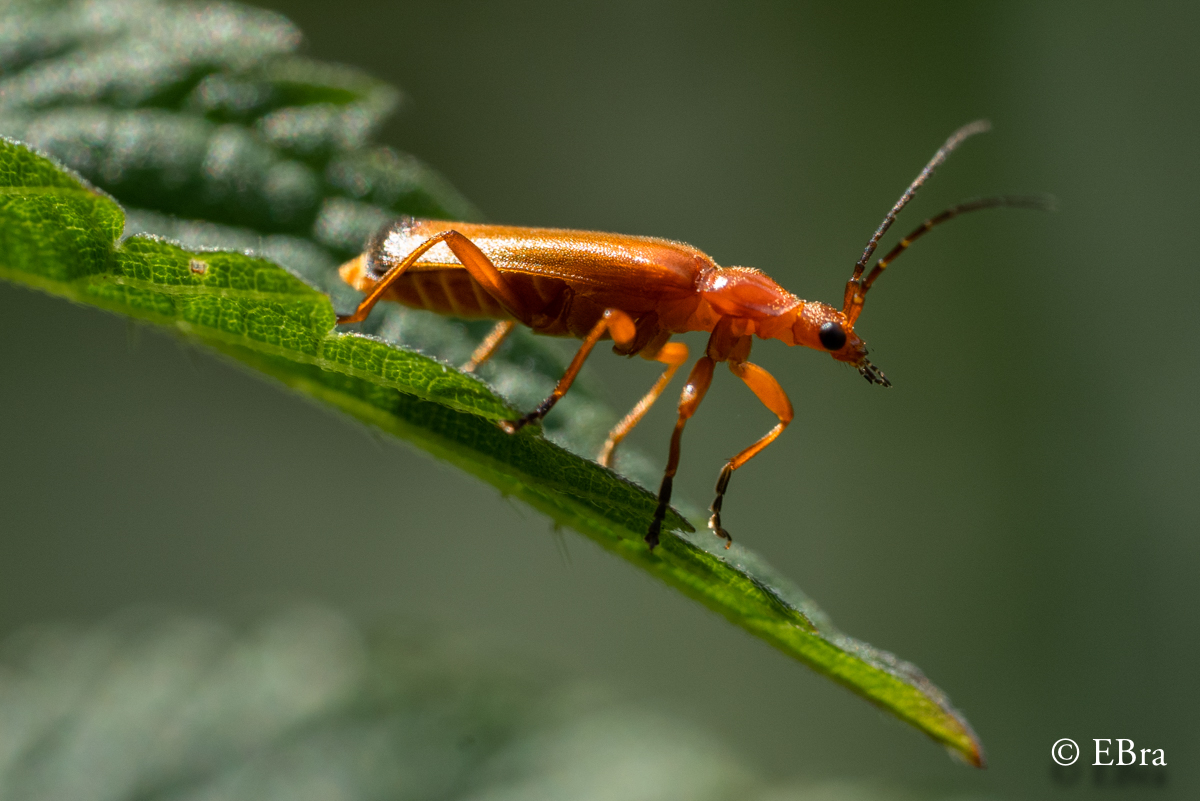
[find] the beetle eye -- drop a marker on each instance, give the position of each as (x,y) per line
(832,336)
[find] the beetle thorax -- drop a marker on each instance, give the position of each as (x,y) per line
(745,293)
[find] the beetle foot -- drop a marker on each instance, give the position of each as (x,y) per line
(652,535)
(513,426)
(714,523)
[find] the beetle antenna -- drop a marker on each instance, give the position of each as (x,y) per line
(979,126)
(1040,202)
(853,296)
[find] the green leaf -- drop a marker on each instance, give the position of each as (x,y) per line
(59,235)
(204,111)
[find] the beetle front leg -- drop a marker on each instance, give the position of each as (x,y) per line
(764,385)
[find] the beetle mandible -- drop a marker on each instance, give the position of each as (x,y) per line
(638,291)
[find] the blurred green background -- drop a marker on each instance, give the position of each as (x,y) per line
(1017,515)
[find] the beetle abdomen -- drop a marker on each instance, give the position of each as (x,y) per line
(551,305)
(451,292)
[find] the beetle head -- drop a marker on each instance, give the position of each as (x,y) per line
(822,327)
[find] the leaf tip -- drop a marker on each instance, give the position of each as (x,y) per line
(969,750)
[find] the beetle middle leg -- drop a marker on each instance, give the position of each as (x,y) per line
(689,400)
(764,385)
(490,344)
(616,323)
(673,355)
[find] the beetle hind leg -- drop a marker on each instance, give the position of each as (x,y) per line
(468,254)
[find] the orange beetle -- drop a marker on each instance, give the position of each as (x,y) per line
(638,291)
